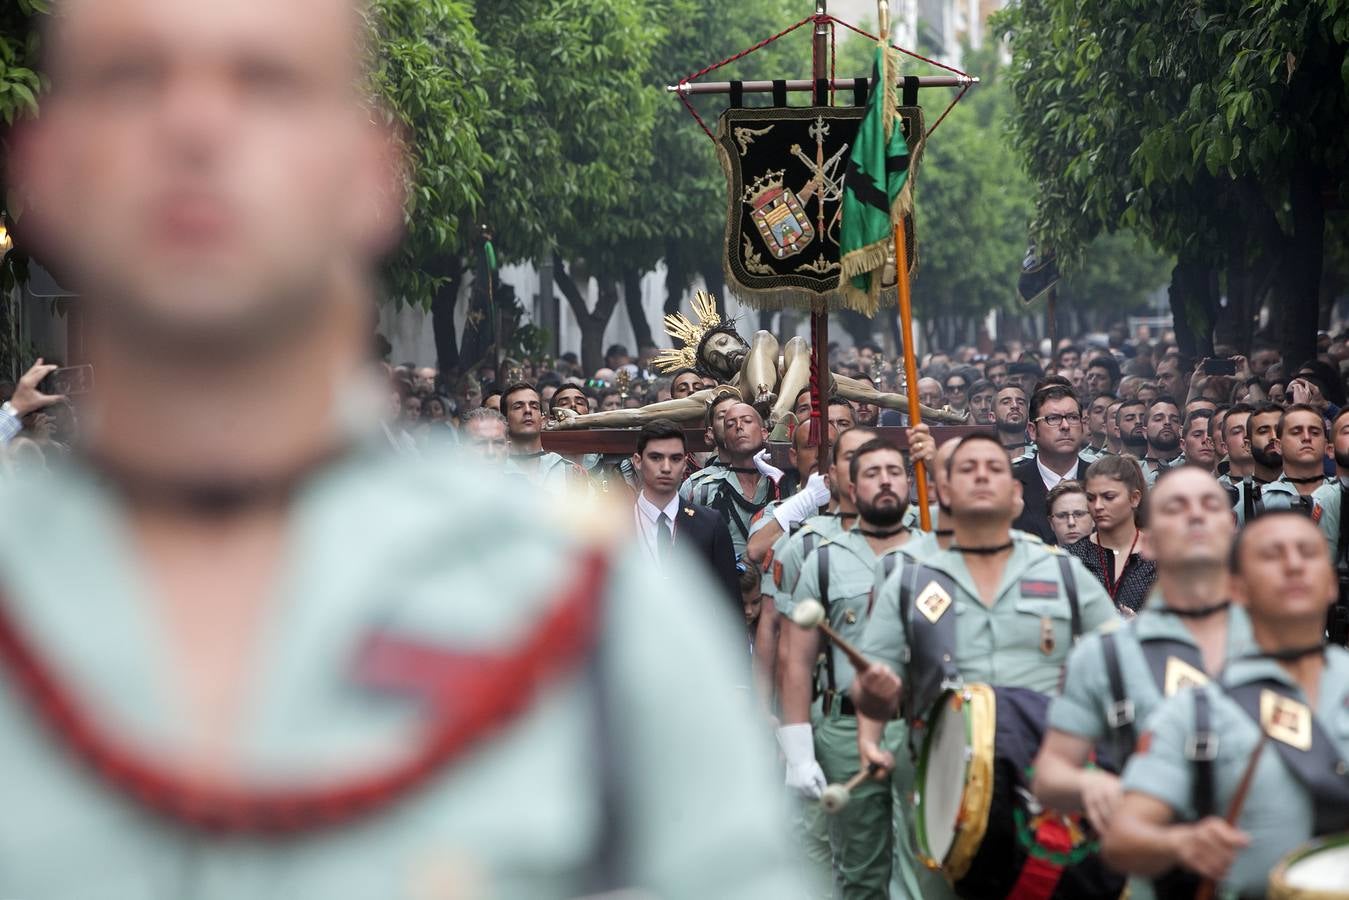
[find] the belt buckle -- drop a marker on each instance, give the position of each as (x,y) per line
(1120,713)
(1202,747)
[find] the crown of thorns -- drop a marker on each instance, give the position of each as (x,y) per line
(693,335)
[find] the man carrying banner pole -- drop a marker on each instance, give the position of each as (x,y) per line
(878,193)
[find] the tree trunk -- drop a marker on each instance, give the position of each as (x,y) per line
(676,280)
(632,299)
(592,323)
(1298,291)
(1194,302)
(856,325)
(442,316)
(479,327)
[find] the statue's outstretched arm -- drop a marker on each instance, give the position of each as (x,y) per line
(861,392)
(688,410)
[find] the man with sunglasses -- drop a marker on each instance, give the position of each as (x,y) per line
(1056,428)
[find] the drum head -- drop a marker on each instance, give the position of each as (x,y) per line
(945,757)
(1325,869)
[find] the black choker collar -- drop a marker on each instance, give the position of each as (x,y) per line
(889,532)
(1315,479)
(983,551)
(1292,654)
(206,497)
(1202,612)
(944,532)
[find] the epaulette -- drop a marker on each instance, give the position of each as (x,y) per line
(1054,549)
(1026,537)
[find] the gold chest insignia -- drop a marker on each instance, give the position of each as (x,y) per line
(933,602)
(1285,719)
(850,617)
(1180,675)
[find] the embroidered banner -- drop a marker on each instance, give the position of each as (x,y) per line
(785,169)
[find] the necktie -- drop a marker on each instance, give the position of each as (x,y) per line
(664,537)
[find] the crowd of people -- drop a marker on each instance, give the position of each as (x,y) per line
(1118,476)
(265,632)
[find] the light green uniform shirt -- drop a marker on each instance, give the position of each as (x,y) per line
(1247,485)
(1083,708)
(707,484)
(851,563)
(1152,468)
(1277,813)
(551,471)
(998,644)
(1328,497)
(782,566)
(440,551)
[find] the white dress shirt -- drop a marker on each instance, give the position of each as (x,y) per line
(648,520)
(1051,478)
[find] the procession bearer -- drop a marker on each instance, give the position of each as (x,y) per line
(1185,635)
(1013,609)
(1180,784)
(839,574)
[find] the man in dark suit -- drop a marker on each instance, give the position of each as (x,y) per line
(663,520)
(1056,428)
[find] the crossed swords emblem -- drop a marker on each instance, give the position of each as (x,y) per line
(825,177)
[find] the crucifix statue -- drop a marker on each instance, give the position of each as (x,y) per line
(761,372)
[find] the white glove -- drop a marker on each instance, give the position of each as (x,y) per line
(804,503)
(765,467)
(804,774)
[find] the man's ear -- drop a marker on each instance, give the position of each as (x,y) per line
(637,461)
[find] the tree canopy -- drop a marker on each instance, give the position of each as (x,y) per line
(1217,131)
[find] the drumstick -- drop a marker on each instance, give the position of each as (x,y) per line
(1208,887)
(810,614)
(837,796)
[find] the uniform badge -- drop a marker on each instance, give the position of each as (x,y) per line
(850,617)
(1046,635)
(1285,719)
(1181,675)
(933,601)
(1040,589)
(688,511)
(777,574)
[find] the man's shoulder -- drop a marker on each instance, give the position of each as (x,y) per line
(697,514)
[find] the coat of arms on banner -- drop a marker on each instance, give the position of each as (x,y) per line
(785,171)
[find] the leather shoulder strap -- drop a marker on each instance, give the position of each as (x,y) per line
(1120,714)
(1202,750)
(1070,587)
(931,626)
(1320,768)
(822,562)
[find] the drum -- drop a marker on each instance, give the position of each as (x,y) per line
(975,817)
(1318,871)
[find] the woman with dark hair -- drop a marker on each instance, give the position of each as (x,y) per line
(1116,493)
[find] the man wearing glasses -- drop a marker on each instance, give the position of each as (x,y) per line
(1056,428)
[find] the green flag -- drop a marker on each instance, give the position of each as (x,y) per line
(877,192)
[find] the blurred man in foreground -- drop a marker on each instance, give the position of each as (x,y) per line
(410,670)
